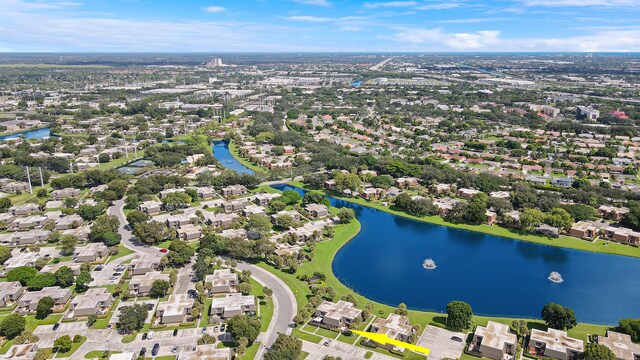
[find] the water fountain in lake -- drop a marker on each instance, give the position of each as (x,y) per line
(429,264)
(555,277)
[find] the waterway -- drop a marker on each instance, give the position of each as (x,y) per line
(497,276)
(221,152)
(29,134)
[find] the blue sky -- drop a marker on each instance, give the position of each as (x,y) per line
(319,25)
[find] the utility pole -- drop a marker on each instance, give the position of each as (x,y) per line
(29,178)
(41,181)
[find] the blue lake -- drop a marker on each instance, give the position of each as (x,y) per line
(221,152)
(497,276)
(29,134)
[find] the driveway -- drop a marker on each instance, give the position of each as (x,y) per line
(439,341)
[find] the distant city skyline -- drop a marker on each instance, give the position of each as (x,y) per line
(319,26)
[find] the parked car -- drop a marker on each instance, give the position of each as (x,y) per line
(150,306)
(175,332)
(174,350)
(204,330)
(164,251)
(56,326)
(150,335)
(456,338)
(216,328)
(155,349)
(99,268)
(326,343)
(144,336)
(143,351)
(222,328)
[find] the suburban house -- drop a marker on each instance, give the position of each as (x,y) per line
(91,252)
(221,220)
(584,230)
(64,193)
(222,281)
(395,327)
(175,309)
(95,301)
(405,182)
(29,301)
(265,199)
(294,215)
(563,182)
(622,235)
(140,285)
(30,237)
(144,265)
(235,205)
(494,341)
(233,304)
(150,207)
(68,222)
(189,232)
(253,210)
(467,193)
(612,212)
(620,344)
(317,210)
(206,193)
(336,315)
(233,190)
(24,209)
(21,258)
(555,344)
(10,292)
(30,222)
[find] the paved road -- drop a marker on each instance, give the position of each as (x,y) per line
(284,302)
(118,210)
(339,349)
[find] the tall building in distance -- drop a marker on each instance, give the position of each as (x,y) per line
(215,62)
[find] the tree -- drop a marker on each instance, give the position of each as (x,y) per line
(132,317)
(103,228)
(68,244)
(136,217)
(244,288)
(520,328)
(402,310)
(92,319)
(632,218)
(259,224)
(347,181)
(267,291)
(580,212)
(153,232)
(531,218)
(290,197)
(42,281)
(5,204)
(63,344)
(459,315)
(82,281)
(90,212)
(286,347)
(64,276)
(595,351)
(44,308)
(313,197)
(22,274)
(558,317)
(159,288)
(180,253)
(5,254)
(12,325)
(104,158)
(346,215)
(631,327)
(242,326)
(559,218)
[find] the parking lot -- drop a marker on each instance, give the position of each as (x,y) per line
(441,344)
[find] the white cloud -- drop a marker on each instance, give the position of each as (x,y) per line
(307,18)
(214,9)
(314,2)
(389,4)
(583,3)
(440,6)
(453,41)
(471,20)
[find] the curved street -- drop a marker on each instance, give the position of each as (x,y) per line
(284,302)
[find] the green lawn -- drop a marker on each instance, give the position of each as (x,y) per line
(121,161)
(266,305)
(166,357)
(122,252)
(73,349)
(236,154)
(95,354)
(250,352)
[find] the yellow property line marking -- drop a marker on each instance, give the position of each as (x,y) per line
(384,339)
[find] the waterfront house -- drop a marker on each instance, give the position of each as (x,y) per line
(494,341)
(336,315)
(395,327)
(620,344)
(555,344)
(317,210)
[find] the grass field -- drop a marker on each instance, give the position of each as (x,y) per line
(234,152)
(73,349)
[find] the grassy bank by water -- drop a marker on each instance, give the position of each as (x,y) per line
(233,149)
(599,246)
